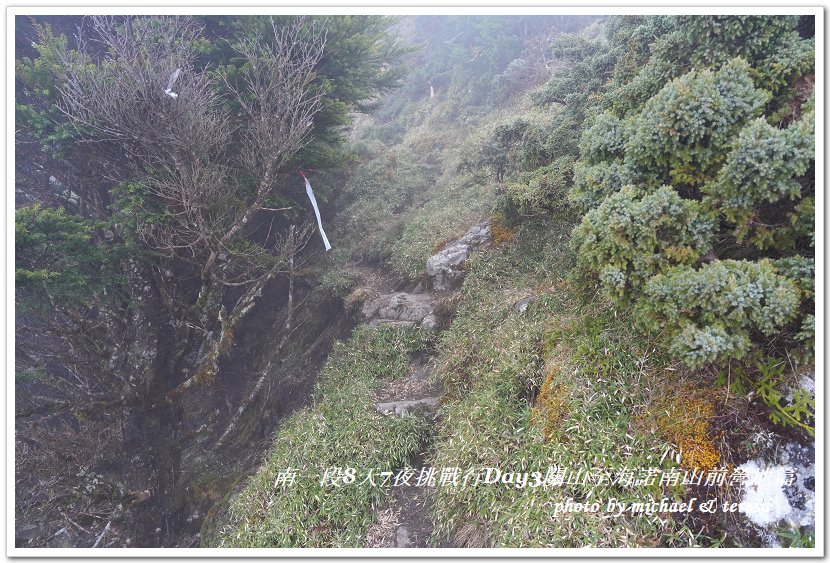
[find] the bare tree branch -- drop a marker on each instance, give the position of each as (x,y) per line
(200,171)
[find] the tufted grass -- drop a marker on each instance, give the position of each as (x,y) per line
(342,429)
(494,362)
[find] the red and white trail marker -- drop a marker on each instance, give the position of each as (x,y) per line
(316,211)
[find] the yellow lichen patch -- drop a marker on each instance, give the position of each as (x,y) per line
(499,232)
(685,419)
(550,408)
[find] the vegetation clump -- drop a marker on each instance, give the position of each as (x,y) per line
(341,429)
(691,190)
(500,233)
(685,419)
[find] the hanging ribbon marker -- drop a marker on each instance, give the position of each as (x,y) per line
(173,78)
(316,211)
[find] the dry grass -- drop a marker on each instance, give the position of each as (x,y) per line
(382,532)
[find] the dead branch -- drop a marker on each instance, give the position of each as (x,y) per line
(189,152)
(294,240)
(103,532)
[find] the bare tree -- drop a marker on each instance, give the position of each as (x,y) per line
(203,149)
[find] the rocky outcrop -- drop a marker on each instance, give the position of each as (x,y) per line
(778,487)
(402,309)
(446,268)
(421,308)
(401,408)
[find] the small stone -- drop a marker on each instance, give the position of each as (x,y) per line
(398,307)
(402,538)
(401,408)
(521,305)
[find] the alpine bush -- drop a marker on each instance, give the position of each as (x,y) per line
(682,133)
(634,235)
(712,311)
(695,177)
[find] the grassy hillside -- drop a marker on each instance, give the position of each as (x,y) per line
(288,502)
(554,364)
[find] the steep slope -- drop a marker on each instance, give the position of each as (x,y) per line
(562,421)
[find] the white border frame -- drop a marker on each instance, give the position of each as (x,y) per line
(414,8)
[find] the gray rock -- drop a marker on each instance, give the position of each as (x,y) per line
(521,305)
(779,488)
(399,308)
(446,268)
(430,322)
(401,408)
(402,538)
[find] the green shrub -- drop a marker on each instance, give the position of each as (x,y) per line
(544,188)
(721,110)
(337,281)
(681,134)
(763,167)
(718,38)
(801,270)
(590,67)
(711,313)
(59,259)
(595,182)
(603,140)
(629,96)
(634,235)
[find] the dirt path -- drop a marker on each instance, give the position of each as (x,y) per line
(406,521)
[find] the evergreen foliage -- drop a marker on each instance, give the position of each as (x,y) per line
(696,143)
(594,182)
(763,168)
(711,312)
(590,67)
(59,261)
(682,133)
(700,147)
(543,188)
(634,235)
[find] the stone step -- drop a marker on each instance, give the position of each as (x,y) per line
(446,268)
(393,322)
(405,309)
(400,408)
